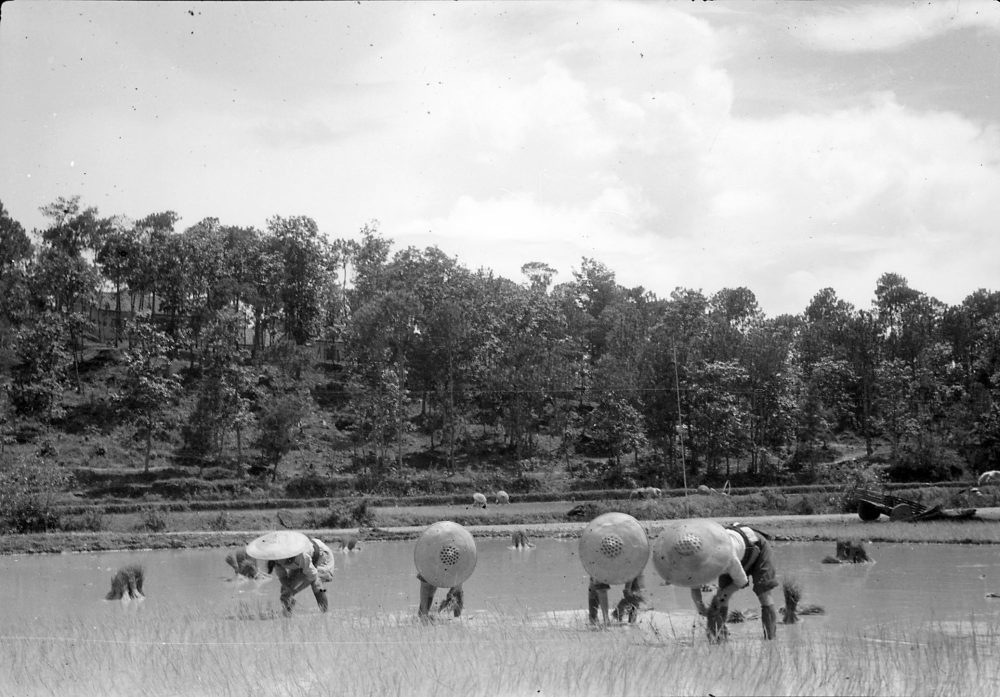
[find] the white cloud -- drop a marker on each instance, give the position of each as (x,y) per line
(879,27)
(516,132)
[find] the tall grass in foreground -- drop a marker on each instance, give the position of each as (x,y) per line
(247,651)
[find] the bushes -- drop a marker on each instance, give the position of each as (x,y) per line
(27,490)
(913,464)
(313,486)
(90,521)
(341,514)
(153,521)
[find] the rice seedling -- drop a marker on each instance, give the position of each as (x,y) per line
(248,651)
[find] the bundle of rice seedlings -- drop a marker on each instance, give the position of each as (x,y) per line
(739,616)
(127,583)
(793,594)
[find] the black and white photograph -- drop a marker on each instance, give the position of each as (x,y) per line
(499,348)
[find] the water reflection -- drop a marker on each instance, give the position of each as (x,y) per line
(906,583)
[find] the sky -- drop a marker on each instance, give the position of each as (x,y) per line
(782,147)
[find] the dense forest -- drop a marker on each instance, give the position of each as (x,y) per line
(613,384)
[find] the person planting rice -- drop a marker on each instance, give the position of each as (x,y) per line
(633,595)
(614,549)
(298,561)
(445,557)
(692,554)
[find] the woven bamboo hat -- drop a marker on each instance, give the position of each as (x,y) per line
(693,553)
(614,548)
(280,544)
(445,554)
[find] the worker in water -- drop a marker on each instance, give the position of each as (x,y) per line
(695,553)
(633,596)
(445,557)
(614,549)
(299,562)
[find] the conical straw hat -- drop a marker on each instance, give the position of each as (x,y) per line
(280,544)
(693,553)
(614,548)
(445,554)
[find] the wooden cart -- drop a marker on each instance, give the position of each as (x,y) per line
(871,505)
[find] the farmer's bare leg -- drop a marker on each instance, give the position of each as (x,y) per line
(632,598)
(290,587)
(320,594)
(426,598)
(718,613)
(454,600)
(597,597)
(768,615)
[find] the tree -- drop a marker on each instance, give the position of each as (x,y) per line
(16,251)
(114,258)
(223,393)
(40,376)
(616,427)
(15,246)
(539,275)
(146,262)
(72,231)
(715,414)
(149,386)
(278,423)
(864,356)
(304,257)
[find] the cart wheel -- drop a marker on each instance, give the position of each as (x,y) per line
(868,511)
(901,512)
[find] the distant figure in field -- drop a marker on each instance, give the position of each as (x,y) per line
(479,500)
(503,497)
(991,477)
(519,539)
(126,584)
(243,564)
(348,543)
(646,492)
(849,552)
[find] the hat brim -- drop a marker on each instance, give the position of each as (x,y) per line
(279,544)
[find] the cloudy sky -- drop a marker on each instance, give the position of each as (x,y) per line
(785,147)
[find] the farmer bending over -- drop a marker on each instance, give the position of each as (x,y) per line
(692,554)
(298,562)
(306,569)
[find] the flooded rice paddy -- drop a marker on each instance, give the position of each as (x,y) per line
(906,583)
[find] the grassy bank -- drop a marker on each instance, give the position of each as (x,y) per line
(984,529)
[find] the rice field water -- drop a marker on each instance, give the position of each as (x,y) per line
(252,652)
